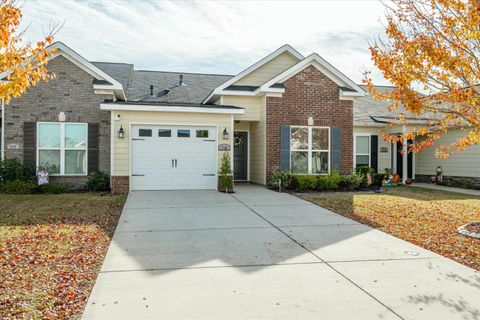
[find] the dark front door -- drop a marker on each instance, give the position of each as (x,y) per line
(240,155)
(400,160)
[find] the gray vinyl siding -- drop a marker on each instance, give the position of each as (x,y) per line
(463,164)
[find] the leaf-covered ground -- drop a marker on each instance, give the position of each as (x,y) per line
(51,249)
(428,218)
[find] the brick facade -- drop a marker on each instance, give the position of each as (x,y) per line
(309,94)
(120,184)
(71,92)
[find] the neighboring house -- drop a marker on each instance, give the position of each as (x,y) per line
(153,130)
(372,119)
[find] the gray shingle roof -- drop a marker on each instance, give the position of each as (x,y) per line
(194,89)
(122,72)
(364,108)
(136,83)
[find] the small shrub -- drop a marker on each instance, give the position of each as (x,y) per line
(18,187)
(53,188)
(351,182)
(281,179)
(329,182)
(13,169)
(305,182)
(460,183)
(378,179)
(98,181)
(363,171)
(225,174)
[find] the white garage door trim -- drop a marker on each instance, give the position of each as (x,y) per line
(174,124)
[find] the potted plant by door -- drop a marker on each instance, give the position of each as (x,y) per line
(225,174)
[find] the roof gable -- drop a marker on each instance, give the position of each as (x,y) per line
(270,69)
(105,81)
(286,51)
(347,86)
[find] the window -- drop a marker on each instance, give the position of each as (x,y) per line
(164,132)
(62,147)
(309,150)
(144,132)
(183,133)
(362,151)
(202,133)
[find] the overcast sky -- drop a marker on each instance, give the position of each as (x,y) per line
(211,36)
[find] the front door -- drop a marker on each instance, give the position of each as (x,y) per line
(400,161)
(240,155)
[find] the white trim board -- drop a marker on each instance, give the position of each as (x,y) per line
(154,108)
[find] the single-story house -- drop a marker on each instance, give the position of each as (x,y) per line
(155,130)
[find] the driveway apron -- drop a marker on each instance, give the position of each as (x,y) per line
(259,254)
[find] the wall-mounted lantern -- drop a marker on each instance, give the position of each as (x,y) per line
(439,170)
(121,133)
(225,134)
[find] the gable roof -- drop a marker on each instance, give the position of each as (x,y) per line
(107,82)
(283,49)
(347,86)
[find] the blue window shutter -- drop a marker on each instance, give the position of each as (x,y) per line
(336,149)
(285,147)
(374,152)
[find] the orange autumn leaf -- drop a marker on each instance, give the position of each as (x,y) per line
(432,46)
(22,64)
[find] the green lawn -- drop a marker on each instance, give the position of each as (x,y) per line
(428,218)
(51,249)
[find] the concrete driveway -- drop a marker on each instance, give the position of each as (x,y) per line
(259,254)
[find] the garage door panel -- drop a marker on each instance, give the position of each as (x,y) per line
(153,159)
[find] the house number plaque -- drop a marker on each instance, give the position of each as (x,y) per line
(13,146)
(223,147)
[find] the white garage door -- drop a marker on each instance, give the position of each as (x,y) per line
(173,157)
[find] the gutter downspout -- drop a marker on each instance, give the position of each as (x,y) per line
(3,130)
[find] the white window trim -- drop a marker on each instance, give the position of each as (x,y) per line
(310,150)
(62,148)
(355,154)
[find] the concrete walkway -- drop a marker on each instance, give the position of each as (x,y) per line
(447,189)
(259,254)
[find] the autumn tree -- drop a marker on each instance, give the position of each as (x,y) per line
(432,56)
(22,64)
